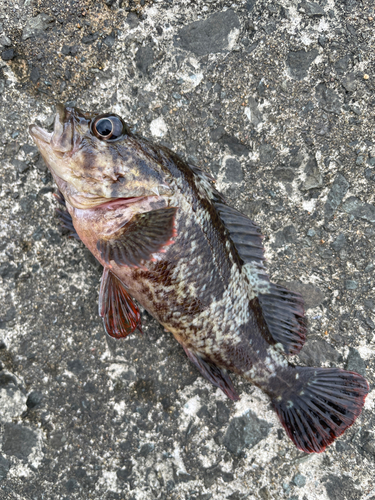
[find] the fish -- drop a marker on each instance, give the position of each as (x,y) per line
(169,241)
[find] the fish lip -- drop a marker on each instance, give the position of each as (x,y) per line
(40,134)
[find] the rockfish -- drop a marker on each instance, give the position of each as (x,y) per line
(167,238)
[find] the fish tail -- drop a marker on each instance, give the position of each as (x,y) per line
(318,404)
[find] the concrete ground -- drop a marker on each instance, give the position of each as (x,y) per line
(276,100)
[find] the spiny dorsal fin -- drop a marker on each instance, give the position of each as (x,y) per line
(282,310)
(141,237)
(244,233)
(200,173)
(206,184)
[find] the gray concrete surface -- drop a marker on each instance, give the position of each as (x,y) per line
(277,100)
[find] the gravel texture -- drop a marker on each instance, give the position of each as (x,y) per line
(276,100)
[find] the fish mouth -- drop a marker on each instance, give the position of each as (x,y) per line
(61,139)
(39,134)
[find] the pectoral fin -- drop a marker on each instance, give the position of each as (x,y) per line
(120,314)
(217,376)
(144,235)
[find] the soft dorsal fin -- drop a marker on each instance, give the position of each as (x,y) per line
(136,241)
(285,317)
(283,310)
(120,314)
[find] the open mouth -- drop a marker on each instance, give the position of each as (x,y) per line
(38,133)
(61,139)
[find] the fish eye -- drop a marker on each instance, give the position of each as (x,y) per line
(108,127)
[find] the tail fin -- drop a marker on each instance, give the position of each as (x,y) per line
(319,405)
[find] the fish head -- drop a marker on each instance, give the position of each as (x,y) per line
(95,159)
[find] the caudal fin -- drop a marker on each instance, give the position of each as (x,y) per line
(319,405)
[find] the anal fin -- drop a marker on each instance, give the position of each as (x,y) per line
(120,314)
(217,376)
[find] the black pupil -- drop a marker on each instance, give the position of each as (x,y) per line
(104,127)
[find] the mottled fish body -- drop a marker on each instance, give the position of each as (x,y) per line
(167,238)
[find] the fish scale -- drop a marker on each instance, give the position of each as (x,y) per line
(167,239)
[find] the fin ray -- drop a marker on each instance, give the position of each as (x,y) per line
(217,376)
(206,183)
(142,236)
(285,317)
(244,233)
(283,310)
(313,416)
(120,314)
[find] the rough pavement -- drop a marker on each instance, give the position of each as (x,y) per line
(277,100)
